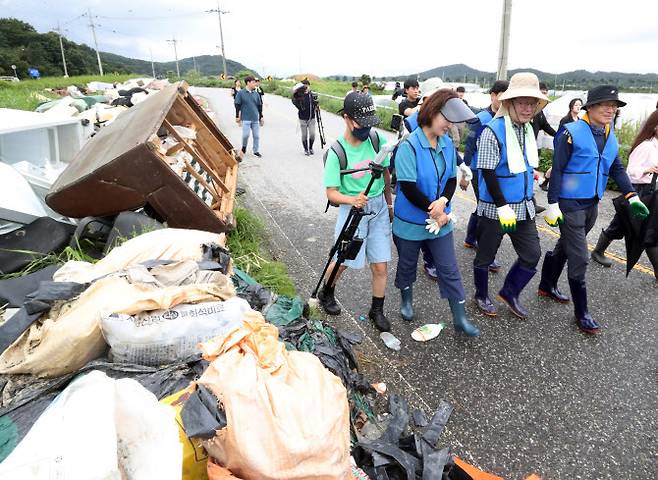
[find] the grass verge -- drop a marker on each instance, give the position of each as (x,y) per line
(246,245)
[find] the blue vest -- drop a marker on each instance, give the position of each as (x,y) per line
(585,175)
(485,117)
(515,187)
(411,122)
(427,178)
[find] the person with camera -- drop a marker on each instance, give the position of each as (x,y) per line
(347,191)
(427,178)
(306,103)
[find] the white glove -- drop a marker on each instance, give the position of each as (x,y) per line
(467,173)
(432,226)
(453,218)
(507,218)
(553,215)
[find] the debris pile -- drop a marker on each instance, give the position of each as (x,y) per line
(152,356)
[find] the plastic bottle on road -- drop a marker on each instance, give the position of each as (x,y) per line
(390,341)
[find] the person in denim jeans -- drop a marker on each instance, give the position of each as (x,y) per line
(249,113)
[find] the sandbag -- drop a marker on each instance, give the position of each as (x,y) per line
(100,428)
(166,244)
(159,337)
(71,336)
(287,416)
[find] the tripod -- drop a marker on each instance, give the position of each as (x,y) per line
(347,244)
(323,140)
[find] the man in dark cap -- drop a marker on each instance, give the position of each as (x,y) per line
(586,155)
(355,149)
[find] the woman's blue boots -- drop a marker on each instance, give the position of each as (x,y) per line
(407,303)
(461,323)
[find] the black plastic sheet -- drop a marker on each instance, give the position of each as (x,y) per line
(202,415)
(35,304)
(399,455)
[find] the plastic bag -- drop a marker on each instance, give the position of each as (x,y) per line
(287,416)
(100,428)
(164,336)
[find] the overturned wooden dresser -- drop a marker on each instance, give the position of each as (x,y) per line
(165,153)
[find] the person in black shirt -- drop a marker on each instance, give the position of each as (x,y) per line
(574,109)
(398,91)
(302,99)
(539,122)
(412,97)
(460,93)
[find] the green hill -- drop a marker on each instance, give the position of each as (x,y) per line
(23,46)
(577,79)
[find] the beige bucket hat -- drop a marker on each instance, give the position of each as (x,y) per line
(523,84)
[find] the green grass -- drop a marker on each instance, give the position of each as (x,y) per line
(41,261)
(246,245)
(23,95)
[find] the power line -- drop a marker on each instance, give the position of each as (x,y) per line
(74,19)
(160,17)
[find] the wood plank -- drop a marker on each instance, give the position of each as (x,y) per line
(174,149)
(201,180)
(189,149)
(222,151)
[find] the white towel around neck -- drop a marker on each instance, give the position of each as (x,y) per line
(515,160)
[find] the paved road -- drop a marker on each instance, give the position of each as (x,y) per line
(529,396)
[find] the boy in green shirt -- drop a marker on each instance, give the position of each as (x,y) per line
(347,191)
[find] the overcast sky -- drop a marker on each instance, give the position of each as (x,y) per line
(281,37)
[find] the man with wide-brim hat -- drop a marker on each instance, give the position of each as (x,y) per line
(507,158)
(586,156)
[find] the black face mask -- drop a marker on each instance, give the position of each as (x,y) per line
(361,133)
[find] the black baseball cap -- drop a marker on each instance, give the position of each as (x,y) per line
(603,93)
(360,108)
(499,86)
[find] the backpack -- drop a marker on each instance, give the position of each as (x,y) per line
(339,150)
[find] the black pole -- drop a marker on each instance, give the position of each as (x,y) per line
(349,229)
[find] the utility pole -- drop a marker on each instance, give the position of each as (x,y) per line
(61,48)
(504,40)
(93,32)
(194,62)
(221,35)
(173,41)
(152,64)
